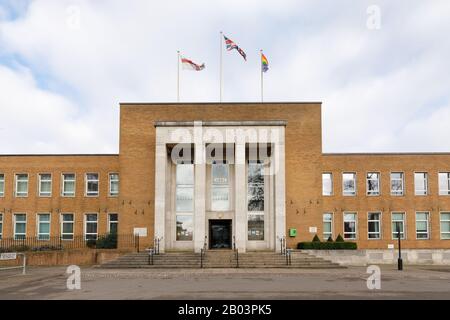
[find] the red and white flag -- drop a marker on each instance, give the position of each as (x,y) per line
(189,65)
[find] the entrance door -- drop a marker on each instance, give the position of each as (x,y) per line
(220,234)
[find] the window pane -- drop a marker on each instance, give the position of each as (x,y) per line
(220,198)
(327,184)
(67,227)
(185,228)
(444,181)
(255,173)
(256,198)
(445,227)
(21,218)
(255,227)
(185,174)
(185,199)
(44,217)
(219,173)
(91,217)
(67,217)
(349,183)
(91,227)
(420,183)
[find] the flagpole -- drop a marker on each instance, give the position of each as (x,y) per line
(178,76)
(262,78)
(221,49)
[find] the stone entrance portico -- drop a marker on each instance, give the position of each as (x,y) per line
(242,148)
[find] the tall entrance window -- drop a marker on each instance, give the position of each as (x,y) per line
(220,189)
(184,202)
(255,200)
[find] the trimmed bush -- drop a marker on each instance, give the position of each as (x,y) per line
(330,239)
(339,238)
(316,239)
(107,242)
(327,245)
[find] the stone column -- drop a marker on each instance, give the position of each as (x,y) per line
(199,188)
(240,216)
(280,187)
(160,193)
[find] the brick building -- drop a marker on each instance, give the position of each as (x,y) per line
(244,174)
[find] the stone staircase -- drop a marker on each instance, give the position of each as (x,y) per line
(220,259)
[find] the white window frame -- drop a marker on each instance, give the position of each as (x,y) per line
(111,193)
(379,221)
(40,185)
(86,182)
(74,180)
(444,192)
(323,184)
(393,192)
(428,225)
(425,191)
(189,213)
(257,213)
(403,231)
(224,186)
(22,222)
(115,222)
(24,195)
(378,179)
(440,225)
(86,223)
(1,225)
(356,225)
(326,235)
(62,222)
(352,193)
(38,226)
(2,190)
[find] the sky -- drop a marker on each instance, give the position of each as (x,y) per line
(380,68)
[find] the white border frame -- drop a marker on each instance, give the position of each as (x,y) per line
(14,224)
(356,184)
(74,185)
(426,182)
(380,222)
(85,225)
(61,221)
(356,225)
(86,185)
(15,184)
(38,222)
(109,184)
(440,225)
(405,227)
(332,224)
(39,185)
(428,224)
(332,184)
(2,195)
(403,183)
(379,184)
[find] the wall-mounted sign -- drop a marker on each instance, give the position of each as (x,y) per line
(390,246)
(141,232)
(312,229)
(8,256)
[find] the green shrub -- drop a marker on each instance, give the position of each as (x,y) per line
(327,245)
(316,239)
(91,243)
(107,242)
(330,239)
(339,238)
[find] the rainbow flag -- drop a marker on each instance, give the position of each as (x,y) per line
(264,63)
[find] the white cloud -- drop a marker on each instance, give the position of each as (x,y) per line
(377,86)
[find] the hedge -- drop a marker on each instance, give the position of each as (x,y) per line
(327,245)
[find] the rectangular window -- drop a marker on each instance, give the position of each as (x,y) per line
(184,205)
(20,226)
(185,227)
(374,225)
(68,185)
(255,200)
(43,226)
(1,225)
(444,183)
(2,184)
(22,185)
(45,185)
(445,225)
(350,225)
(373,184)
(113,223)
(220,187)
(349,184)
(327,184)
(421,183)
(113,184)
(92,184)
(422,225)
(67,223)
(398,224)
(327,225)
(397,182)
(91,225)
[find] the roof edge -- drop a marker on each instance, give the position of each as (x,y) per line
(216,103)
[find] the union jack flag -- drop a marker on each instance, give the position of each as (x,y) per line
(231,45)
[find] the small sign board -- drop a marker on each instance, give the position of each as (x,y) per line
(390,246)
(312,229)
(141,232)
(8,256)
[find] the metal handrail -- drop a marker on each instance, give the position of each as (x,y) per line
(234,243)
(282,244)
(201,257)
(151,253)
(288,257)
(237,257)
